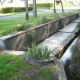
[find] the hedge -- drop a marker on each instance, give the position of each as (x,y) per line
(66,4)
(14,9)
(43,5)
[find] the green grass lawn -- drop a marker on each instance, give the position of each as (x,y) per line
(9,14)
(15,68)
(10,67)
(14,25)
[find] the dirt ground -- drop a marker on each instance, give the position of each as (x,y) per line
(40,73)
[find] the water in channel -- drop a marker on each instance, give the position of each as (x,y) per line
(71,60)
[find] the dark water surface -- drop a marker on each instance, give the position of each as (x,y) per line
(71,60)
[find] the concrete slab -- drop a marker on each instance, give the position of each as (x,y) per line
(72,27)
(77,20)
(55,40)
(13,52)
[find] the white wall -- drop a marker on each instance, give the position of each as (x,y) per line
(15,3)
(21,3)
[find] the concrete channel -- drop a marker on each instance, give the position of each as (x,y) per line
(61,39)
(22,39)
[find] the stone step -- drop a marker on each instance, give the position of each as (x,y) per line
(12,52)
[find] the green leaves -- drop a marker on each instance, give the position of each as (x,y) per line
(10,66)
(38,53)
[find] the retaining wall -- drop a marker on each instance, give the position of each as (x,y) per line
(22,39)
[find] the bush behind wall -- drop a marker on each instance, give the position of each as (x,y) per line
(43,5)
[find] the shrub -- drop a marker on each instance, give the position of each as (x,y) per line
(38,53)
(43,5)
(14,9)
(67,4)
(5,10)
(45,19)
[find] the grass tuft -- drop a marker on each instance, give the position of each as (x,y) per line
(38,53)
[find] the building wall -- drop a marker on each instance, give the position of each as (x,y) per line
(20,3)
(14,3)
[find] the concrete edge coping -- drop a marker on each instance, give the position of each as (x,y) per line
(60,69)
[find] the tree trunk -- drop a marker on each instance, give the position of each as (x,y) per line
(27,14)
(62,7)
(34,8)
(54,7)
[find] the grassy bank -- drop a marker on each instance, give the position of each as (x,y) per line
(10,67)
(15,68)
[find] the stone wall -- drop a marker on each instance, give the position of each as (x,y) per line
(22,39)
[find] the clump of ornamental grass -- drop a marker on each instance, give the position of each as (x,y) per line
(38,52)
